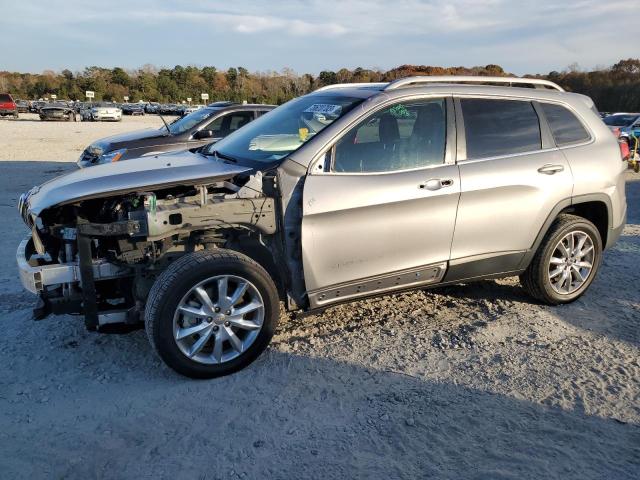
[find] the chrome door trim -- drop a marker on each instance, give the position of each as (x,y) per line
(378,285)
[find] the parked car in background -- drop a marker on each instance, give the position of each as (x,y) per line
(625,123)
(23,106)
(207,125)
(58,111)
(151,107)
(8,107)
(168,109)
(36,105)
(192,108)
(102,112)
(350,191)
(133,109)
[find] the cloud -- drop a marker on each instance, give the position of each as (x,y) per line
(313,35)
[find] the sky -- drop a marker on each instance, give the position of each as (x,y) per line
(309,36)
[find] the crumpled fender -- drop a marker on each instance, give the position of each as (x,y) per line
(101,181)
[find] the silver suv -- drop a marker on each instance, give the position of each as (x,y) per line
(350,191)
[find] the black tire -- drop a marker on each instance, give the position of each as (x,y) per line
(174,283)
(535,279)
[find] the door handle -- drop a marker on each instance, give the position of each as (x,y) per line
(550,169)
(436,184)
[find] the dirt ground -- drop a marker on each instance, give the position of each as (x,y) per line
(468,382)
(29,138)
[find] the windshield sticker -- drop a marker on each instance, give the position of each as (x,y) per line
(326,108)
(303,133)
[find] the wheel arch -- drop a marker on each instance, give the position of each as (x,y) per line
(594,207)
(253,247)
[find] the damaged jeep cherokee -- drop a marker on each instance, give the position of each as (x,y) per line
(350,191)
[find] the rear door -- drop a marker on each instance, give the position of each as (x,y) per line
(381,214)
(511,175)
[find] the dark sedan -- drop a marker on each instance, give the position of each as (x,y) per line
(204,126)
(58,111)
(133,109)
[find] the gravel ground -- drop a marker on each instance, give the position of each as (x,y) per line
(473,381)
(29,138)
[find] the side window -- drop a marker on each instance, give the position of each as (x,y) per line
(216,126)
(224,125)
(564,125)
(239,120)
(500,127)
(400,137)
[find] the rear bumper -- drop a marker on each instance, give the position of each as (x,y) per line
(35,278)
(8,111)
(615,233)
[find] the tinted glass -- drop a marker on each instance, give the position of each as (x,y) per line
(401,137)
(565,127)
(223,126)
(4,97)
(500,127)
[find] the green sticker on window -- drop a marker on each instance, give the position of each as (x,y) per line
(399,111)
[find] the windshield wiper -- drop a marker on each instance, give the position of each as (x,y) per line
(220,156)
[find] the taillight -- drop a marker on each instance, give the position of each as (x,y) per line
(624,149)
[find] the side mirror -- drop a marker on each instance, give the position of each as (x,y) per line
(199,135)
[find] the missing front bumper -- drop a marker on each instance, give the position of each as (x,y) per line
(36,278)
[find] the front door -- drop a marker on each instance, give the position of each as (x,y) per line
(381,215)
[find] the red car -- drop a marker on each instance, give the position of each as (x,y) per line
(8,106)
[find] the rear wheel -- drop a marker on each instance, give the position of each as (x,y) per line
(566,261)
(211,313)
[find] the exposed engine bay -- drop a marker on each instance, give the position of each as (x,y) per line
(100,256)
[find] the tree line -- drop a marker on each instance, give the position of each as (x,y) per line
(613,88)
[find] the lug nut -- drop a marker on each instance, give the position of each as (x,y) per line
(209,319)
(227,323)
(228,312)
(217,309)
(215,328)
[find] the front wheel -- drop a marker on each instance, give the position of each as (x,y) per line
(566,261)
(211,313)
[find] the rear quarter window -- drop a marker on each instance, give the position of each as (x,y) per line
(4,97)
(565,127)
(500,127)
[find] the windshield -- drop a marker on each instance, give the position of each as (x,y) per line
(187,122)
(283,130)
(620,120)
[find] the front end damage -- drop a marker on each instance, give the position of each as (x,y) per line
(99,257)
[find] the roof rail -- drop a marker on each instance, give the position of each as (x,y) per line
(352,85)
(538,83)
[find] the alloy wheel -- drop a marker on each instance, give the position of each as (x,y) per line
(218,319)
(571,262)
